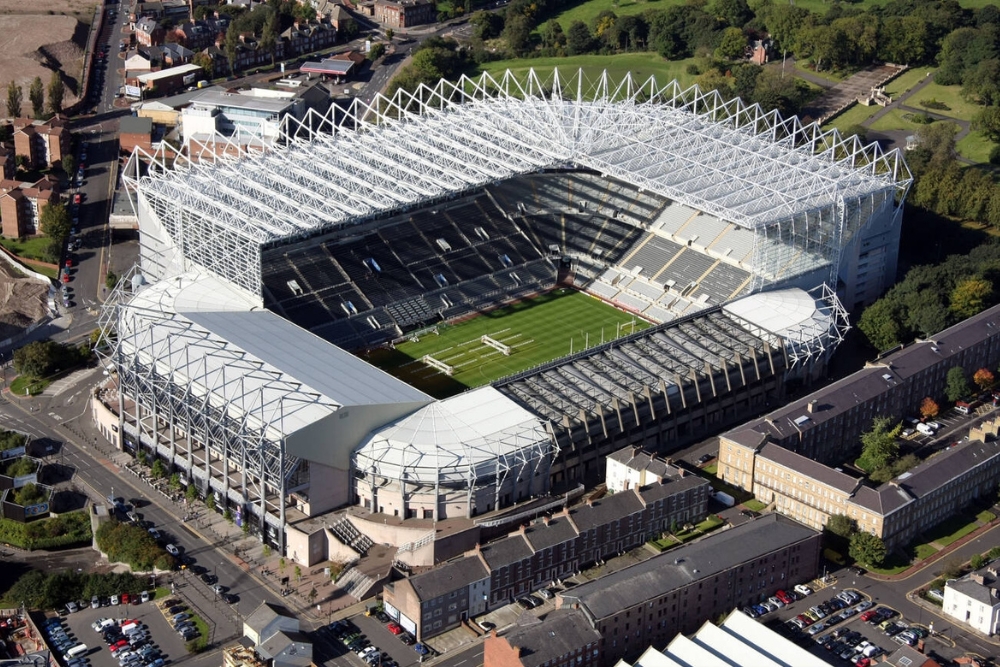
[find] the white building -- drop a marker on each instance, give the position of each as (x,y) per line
(631,467)
(973,600)
(239,116)
(739,642)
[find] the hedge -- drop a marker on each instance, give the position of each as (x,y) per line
(72,528)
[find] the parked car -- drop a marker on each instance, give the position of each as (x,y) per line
(172,550)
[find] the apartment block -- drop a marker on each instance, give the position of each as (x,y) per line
(404,13)
(543,552)
(896,511)
(826,425)
(675,592)
(21,205)
(42,143)
(563,638)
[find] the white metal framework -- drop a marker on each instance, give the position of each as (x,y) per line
(804,191)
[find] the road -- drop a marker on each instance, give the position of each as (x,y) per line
(52,419)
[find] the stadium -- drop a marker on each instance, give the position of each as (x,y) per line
(680,257)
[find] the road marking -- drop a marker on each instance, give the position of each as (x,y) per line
(55,416)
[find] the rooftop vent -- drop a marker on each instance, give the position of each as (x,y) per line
(294,286)
(801,421)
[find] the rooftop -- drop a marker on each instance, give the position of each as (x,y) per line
(457,574)
(688,564)
(265,614)
(212,98)
(679,144)
(806,466)
(560,633)
(168,73)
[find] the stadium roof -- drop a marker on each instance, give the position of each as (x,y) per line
(734,161)
(738,642)
(201,331)
(458,439)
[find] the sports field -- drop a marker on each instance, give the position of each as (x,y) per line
(536,331)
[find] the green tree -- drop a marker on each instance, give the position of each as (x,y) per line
(881,325)
(37,359)
(517,33)
(267,551)
(158,470)
(191,493)
(281,565)
(174,482)
(376,52)
(228,516)
(552,35)
(904,39)
(971,296)
(578,39)
(389,34)
(111,280)
(298,574)
(204,61)
(734,12)
(841,525)
(987,121)
(210,501)
(14,99)
(56,93)
(733,44)
(977,561)
(68,164)
(879,446)
(55,222)
(269,35)
(312,595)
(956,384)
(487,25)
(36,94)
(231,47)
(868,549)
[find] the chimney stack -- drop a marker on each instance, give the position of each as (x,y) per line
(811,408)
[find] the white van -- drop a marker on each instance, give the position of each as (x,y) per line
(925,429)
(75,652)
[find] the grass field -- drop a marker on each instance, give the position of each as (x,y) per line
(641,66)
(539,330)
(974,146)
(906,81)
(855,115)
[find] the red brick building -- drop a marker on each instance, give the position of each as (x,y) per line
(21,205)
(564,638)
(404,13)
(43,143)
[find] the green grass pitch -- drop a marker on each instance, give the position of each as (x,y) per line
(538,330)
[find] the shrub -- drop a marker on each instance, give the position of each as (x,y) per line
(22,465)
(72,528)
(28,495)
(934,104)
(11,440)
(39,590)
(995,155)
(127,543)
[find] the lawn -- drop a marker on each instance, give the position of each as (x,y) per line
(754,505)
(24,385)
(986,516)
(907,80)
(537,330)
(199,643)
(31,248)
(922,551)
(897,119)
(951,530)
(894,565)
(974,146)
(640,65)
(588,11)
(951,96)
(856,114)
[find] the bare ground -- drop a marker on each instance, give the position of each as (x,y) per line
(23,300)
(37,44)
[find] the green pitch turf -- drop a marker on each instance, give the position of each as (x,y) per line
(539,330)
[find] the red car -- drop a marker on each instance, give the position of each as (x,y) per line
(65,278)
(868,615)
(77,198)
(69,262)
(126,598)
(394,628)
(784,597)
(117,646)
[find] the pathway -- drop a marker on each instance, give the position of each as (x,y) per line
(839,96)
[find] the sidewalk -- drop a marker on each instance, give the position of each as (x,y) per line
(921,565)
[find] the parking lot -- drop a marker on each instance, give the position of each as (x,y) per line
(169,643)
(330,648)
(837,639)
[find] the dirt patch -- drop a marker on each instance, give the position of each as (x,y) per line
(38,44)
(23,300)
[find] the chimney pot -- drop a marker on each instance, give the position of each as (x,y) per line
(811,408)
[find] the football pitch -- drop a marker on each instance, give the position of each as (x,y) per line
(535,331)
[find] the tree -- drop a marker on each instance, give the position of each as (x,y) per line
(36,94)
(956,385)
(191,493)
(868,549)
(987,121)
(269,35)
(281,565)
(929,408)
(267,551)
(734,12)
(159,470)
(68,164)
(37,359)
(312,595)
(204,61)
(376,52)
(298,574)
(733,45)
(55,222)
(983,378)
(56,93)
(977,561)
(111,280)
(881,325)
(486,25)
(970,297)
(517,33)
(552,35)
(231,47)
(228,516)
(878,445)
(578,39)
(210,501)
(14,99)
(842,525)
(389,34)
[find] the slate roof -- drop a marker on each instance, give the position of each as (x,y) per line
(558,530)
(979,592)
(685,565)
(559,634)
(637,459)
(450,577)
(265,614)
(507,551)
(605,510)
(809,468)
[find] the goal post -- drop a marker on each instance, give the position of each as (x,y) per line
(496,345)
(438,365)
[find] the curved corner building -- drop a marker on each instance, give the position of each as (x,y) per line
(735,231)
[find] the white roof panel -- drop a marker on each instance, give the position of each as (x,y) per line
(783,312)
